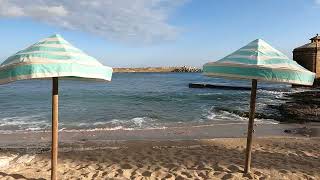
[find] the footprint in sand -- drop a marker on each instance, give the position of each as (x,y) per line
(186,174)
(249,176)
(202,175)
(217,173)
(284,171)
(217,167)
(169,166)
(126,166)
(235,168)
(168,176)
(146,174)
(228,176)
(179,178)
(115,160)
(104,174)
(258,173)
(120,171)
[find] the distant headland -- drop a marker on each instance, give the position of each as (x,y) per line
(158,69)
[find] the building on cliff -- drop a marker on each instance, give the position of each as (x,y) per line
(308,55)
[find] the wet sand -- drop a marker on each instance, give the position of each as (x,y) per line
(32,139)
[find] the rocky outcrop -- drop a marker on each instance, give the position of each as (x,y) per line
(245,114)
(159,69)
(300,108)
(143,69)
(303,107)
(187,69)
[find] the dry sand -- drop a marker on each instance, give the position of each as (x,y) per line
(273,158)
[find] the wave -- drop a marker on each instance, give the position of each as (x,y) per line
(216,115)
(209,115)
(210,94)
(28,123)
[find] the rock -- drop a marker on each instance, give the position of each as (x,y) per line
(288,131)
(246,114)
(302,107)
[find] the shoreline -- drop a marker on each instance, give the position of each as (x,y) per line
(210,131)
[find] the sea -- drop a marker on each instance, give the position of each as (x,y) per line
(133,101)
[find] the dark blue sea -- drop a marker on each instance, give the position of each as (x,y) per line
(131,101)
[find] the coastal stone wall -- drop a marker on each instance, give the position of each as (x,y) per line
(187,69)
(159,69)
(307,57)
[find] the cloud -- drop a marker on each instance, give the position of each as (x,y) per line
(125,20)
(317,2)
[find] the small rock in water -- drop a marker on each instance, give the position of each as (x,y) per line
(287,131)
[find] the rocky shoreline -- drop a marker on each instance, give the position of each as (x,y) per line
(158,69)
(301,107)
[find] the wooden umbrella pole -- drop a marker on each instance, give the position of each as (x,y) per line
(55,117)
(316,55)
(250,125)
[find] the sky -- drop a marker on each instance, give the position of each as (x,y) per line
(143,33)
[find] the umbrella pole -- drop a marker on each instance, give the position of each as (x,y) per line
(55,114)
(250,125)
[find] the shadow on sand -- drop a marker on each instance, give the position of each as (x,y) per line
(180,160)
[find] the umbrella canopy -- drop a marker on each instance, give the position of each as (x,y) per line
(258,60)
(52,57)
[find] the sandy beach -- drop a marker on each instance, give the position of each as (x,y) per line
(274,157)
(159,90)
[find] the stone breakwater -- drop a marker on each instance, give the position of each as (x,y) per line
(159,69)
(187,69)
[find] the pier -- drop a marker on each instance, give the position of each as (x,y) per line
(218,86)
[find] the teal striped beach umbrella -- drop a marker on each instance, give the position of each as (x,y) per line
(54,58)
(258,61)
